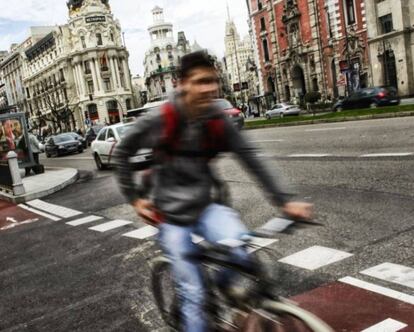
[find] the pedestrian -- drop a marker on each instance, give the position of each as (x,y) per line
(79,132)
(35,147)
(186,133)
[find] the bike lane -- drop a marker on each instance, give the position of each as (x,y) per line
(11,215)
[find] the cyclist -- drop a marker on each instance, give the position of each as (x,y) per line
(183,179)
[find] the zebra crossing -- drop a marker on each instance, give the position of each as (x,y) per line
(310,259)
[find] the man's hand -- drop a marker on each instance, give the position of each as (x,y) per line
(142,206)
(298,210)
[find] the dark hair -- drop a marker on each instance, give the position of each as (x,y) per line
(199,59)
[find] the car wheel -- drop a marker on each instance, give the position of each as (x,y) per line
(267,117)
(99,165)
(373,105)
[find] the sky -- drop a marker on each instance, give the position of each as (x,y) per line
(203,21)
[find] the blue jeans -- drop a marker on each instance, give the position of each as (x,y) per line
(216,223)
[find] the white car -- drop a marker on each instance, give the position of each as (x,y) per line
(282,109)
(104,145)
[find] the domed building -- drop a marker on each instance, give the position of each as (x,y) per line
(81,69)
(163,58)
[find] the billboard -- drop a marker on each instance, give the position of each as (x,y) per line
(14,137)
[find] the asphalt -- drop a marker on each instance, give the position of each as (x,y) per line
(56,277)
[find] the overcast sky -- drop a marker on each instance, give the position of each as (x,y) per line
(203,21)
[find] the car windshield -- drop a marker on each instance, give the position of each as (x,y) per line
(123,130)
(63,138)
(224,104)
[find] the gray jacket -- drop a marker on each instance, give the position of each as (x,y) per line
(183,184)
(34,143)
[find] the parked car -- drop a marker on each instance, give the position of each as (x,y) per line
(104,145)
(59,145)
(282,109)
(91,133)
(234,114)
(80,139)
(369,97)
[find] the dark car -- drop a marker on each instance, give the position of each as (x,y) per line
(62,144)
(80,139)
(369,97)
(235,115)
(91,133)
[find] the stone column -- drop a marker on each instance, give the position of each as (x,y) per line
(113,72)
(76,80)
(99,76)
(82,80)
(94,78)
(126,74)
(117,71)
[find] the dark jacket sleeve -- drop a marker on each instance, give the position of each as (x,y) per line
(144,134)
(238,144)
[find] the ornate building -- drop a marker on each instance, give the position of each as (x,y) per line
(162,59)
(79,71)
(391,43)
(316,45)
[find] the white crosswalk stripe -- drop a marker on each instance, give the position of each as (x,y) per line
(83,221)
(40,213)
(142,233)
(315,257)
(395,273)
(388,325)
(54,209)
(259,243)
(110,225)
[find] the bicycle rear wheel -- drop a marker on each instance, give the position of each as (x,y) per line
(284,317)
(163,289)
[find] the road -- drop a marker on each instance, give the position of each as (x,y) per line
(60,277)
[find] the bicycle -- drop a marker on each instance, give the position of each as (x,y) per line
(269,309)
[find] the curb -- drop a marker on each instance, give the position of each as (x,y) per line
(344,119)
(36,195)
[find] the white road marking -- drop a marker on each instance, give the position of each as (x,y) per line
(392,154)
(260,243)
(10,226)
(388,325)
(196,239)
(11,220)
(40,213)
(378,289)
(110,225)
(315,257)
(54,209)
(395,273)
(309,155)
(83,221)
(268,141)
(326,129)
(142,233)
(77,158)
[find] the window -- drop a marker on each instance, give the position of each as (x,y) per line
(61,75)
(328,22)
(99,39)
(87,67)
(266,50)
(101,136)
(259,5)
(112,37)
(386,23)
(262,24)
(349,11)
(90,87)
(110,134)
(83,41)
(107,83)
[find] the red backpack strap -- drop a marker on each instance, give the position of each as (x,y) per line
(171,121)
(216,140)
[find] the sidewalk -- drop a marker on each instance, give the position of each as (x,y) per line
(37,186)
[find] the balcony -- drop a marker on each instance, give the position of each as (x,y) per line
(164,70)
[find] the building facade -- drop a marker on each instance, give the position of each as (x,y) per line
(78,74)
(311,46)
(162,59)
(391,43)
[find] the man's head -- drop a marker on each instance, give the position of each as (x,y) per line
(199,81)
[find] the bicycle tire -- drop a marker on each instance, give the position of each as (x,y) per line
(290,317)
(169,310)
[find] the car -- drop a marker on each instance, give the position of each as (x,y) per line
(369,97)
(62,144)
(104,145)
(91,133)
(282,109)
(80,139)
(234,114)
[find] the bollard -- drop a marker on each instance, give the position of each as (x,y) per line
(18,188)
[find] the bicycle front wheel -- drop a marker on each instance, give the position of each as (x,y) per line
(163,289)
(285,317)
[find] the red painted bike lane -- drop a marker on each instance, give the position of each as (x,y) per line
(11,215)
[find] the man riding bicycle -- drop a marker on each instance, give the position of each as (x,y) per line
(186,134)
